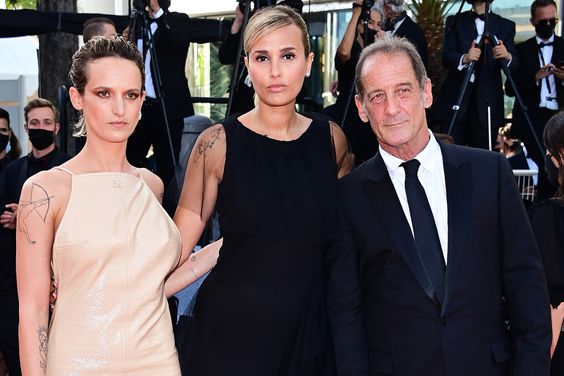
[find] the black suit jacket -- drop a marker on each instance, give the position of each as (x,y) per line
(488,83)
(172,39)
(524,76)
(491,255)
(413,33)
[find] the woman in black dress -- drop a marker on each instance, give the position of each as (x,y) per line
(547,221)
(272,174)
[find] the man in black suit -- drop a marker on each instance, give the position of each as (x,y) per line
(463,37)
(42,126)
(398,23)
(436,245)
(540,81)
(171,38)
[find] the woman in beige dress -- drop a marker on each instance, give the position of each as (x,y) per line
(96,224)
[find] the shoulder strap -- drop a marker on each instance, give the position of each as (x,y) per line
(64,169)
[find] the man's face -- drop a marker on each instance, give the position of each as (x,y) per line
(544,15)
(4,128)
(42,118)
(394,102)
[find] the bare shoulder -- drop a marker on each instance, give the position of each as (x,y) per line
(48,184)
(336,132)
(211,141)
(154,182)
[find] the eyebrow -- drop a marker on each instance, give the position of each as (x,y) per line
(285,49)
(109,88)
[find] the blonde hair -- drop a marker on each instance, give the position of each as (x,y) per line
(269,19)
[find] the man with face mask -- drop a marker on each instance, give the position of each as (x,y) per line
(41,126)
(540,82)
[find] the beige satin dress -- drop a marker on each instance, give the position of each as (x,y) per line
(112,251)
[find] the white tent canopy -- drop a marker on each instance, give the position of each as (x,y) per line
(18,79)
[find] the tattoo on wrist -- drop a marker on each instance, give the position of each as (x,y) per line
(38,204)
(43,334)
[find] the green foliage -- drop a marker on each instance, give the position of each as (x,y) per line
(22,4)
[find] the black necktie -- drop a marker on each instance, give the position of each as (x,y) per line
(542,44)
(424,229)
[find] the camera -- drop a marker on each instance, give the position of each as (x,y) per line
(140,4)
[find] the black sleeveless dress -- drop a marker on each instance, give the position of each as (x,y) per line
(261,310)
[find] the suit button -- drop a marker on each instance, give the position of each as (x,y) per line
(443,321)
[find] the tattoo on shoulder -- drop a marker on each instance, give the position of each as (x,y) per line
(207,144)
(38,204)
(43,334)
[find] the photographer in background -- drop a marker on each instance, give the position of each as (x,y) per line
(539,80)
(399,24)
(229,53)
(363,28)
(462,46)
(171,38)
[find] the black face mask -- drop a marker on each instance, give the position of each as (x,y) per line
(369,37)
(544,30)
(41,138)
(4,138)
(551,172)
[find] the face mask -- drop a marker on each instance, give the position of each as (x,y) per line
(4,138)
(551,172)
(41,138)
(370,36)
(544,30)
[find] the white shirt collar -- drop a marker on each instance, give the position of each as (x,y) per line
(427,157)
(551,39)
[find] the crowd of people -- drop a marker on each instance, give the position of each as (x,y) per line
(376,248)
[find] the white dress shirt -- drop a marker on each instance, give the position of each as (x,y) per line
(149,87)
(431,174)
(547,99)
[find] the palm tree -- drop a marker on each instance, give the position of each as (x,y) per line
(431,17)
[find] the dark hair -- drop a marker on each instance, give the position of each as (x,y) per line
(95,26)
(15,148)
(540,4)
(390,46)
(553,137)
(5,115)
(98,48)
(40,103)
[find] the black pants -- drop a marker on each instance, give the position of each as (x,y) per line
(9,331)
(467,129)
(151,131)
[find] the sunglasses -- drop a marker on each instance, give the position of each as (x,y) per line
(551,21)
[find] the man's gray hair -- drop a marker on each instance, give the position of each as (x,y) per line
(396,6)
(390,46)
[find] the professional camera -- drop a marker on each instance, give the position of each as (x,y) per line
(140,4)
(367,5)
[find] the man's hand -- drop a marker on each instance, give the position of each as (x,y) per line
(8,218)
(500,52)
(238,21)
(473,54)
(558,72)
(545,71)
(357,9)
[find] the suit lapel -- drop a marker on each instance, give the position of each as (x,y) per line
(458,182)
(382,195)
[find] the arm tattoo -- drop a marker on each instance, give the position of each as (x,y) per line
(43,334)
(208,143)
(39,204)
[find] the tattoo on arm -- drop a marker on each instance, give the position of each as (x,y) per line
(38,204)
(208,143)
(43,334)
